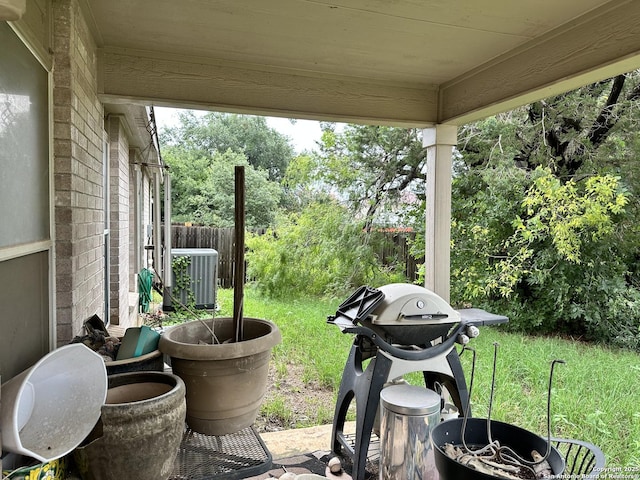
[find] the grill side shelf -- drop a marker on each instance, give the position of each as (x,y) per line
(479,317)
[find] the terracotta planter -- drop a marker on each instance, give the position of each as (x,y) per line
(226,381)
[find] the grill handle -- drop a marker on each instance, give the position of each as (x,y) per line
(426,316)
(400,352)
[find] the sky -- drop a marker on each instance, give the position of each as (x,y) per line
(303,133)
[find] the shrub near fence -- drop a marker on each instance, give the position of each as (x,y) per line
(222,240)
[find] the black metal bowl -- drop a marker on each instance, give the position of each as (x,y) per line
(518,439)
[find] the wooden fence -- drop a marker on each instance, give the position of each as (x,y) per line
(222,239)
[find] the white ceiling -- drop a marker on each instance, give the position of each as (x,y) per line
(402,62)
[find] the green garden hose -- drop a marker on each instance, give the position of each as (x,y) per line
(145,282)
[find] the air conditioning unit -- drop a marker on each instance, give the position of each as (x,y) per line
(203,271)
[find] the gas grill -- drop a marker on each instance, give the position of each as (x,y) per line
(400,328)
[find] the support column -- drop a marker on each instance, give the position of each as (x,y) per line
(157,232)
(138,234)
(439,141)
(168,277)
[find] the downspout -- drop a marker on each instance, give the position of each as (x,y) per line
(168,277)
(138,233)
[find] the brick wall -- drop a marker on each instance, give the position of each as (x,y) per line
(79,208)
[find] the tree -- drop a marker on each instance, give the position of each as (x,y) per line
(544,214)
(374,169)
(264,147)
(545,252)
(203,190)
(573,134)
(317,251)
(202,152)
(300,189)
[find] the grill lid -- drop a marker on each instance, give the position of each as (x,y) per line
(407,304)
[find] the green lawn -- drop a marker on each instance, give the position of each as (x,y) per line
(596,395)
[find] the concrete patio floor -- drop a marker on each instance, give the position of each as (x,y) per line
(290,447)
(288,443)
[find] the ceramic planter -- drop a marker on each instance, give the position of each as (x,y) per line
(140,429)
(225,382)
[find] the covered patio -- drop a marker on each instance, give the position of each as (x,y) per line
(76,241)
(429,65)
(432,65)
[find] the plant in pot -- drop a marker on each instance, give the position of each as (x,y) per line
(224,362)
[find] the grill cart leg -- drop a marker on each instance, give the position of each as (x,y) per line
(365,386)
(456,385)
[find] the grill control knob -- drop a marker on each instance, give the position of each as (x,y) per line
(472,331)
(462,339)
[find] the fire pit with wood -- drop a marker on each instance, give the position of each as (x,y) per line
(483,449)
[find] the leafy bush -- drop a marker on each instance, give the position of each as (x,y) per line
(319,251)
(545,253)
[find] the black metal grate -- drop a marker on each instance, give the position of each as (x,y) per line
(230,457)
(373,455)
(582,459)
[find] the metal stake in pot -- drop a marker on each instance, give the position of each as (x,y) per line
(503,457)
(238,279)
